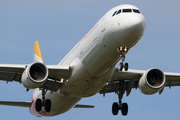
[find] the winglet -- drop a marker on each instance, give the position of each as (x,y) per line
(37,53)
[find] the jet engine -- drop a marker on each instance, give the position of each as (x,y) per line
(152,81)
(35,75)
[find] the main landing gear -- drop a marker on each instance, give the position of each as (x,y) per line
(123,52)
(44,102)
(119,106)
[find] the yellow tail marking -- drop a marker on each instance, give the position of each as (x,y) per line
(37,50)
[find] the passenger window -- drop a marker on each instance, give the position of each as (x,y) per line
(136,11)
(118,12)
(114,13)
(127,10)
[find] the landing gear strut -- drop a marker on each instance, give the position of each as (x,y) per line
(123,52)
(44,102)
(119,106)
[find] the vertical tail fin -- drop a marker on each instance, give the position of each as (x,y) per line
(37,53)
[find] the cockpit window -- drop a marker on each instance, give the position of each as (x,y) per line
(136,11)
(127,10)
(114,13)
(118,12)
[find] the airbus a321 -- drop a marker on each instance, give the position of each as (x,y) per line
(89,68)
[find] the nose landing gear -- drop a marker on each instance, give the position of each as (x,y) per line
(123,52)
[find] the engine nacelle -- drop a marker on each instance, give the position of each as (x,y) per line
(35,75)
(152,81)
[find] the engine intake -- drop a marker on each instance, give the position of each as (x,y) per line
(152,81)
(34,75)
(38,72)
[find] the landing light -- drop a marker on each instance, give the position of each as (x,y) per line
(125,49)
(62,80)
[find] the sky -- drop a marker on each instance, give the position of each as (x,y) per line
(59,24)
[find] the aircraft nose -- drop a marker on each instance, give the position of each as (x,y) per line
(130,29)
(137,21)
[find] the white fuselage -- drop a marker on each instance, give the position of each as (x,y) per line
(94,57)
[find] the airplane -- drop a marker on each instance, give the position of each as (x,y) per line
(89,68)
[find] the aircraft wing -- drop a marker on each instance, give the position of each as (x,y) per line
(131,78)
(13,72)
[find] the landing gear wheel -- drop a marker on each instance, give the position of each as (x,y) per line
(120,66)
(38,105)
(126,66)
(124,109)
(115,108)
(48,105)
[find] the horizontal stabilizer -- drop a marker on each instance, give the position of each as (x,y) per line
(16,103)
(83,106)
